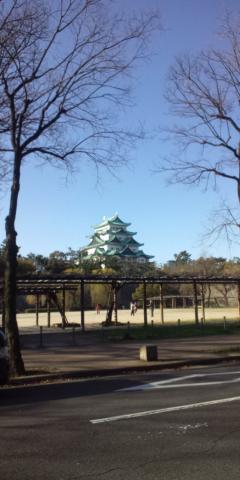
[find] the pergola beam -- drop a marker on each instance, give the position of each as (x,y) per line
(72,281)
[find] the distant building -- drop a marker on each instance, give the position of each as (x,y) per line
(111,238)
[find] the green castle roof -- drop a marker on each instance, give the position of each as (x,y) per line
(140,253)
(115,220)
(113,252)
(126,232)
(125,247)
(100,251)
(113,239)
(95,242)
(134,242)
(127,252)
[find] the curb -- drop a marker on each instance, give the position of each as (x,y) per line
(36,379)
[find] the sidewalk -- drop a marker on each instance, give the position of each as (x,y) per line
(80,356)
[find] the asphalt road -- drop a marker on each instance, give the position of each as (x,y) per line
(168,425)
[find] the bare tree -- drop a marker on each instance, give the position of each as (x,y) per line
(63,75)
(204,92)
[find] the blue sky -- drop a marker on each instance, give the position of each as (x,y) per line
(56,212)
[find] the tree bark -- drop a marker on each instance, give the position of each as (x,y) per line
(10,277)
(112,303)
(108,320)
(41,91)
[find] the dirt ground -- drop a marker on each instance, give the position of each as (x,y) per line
(171,315)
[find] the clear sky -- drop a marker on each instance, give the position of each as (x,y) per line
(56,213)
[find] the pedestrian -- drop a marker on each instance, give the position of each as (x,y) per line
(151,305)
(132,309)
(135,307)
(98,308)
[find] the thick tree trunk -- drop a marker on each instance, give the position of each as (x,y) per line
(16,362)
(108,321)
(238,182)
(112,303)
(10,277)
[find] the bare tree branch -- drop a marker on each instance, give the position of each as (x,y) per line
(64,67)
(204,93)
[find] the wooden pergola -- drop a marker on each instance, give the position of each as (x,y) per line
(50,285)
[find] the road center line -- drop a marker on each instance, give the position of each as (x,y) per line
(164,410)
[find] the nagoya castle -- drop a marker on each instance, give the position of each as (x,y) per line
(111,238)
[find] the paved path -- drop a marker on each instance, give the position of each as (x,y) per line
(170,315)
(83,355)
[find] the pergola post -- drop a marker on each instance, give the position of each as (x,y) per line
(82,306)
(161,303)
(63,306)
(145,304)
(48,310)
(115,304)
(37,309)
(203,302)
(238,297)
(195,300)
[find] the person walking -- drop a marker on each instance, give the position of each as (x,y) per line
(98,308)
(151,305)
(132,309)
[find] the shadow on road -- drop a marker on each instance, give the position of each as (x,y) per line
(73,389)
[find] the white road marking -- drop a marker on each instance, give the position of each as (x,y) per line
(163,410)
(146,386)
(149,386)
(219,373)
(167,383)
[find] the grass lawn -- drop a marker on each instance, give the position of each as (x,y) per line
(137,332)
